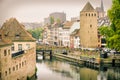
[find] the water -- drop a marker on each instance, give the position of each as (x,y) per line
(62,70)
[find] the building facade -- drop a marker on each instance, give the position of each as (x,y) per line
(75,39)
(88,27)
(17,59)
(46,34)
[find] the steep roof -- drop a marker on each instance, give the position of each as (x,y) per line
(15,31)
(75,32)
(76,25)
(88,7)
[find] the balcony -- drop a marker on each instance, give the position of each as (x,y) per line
(15,54)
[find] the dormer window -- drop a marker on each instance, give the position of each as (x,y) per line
(17,36)
(6,35)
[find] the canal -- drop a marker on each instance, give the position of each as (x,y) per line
(63,70)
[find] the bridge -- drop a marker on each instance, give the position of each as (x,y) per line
(44,53)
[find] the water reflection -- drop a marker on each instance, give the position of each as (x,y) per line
(62,70)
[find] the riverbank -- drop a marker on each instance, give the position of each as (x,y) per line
(68,58)
(82,58)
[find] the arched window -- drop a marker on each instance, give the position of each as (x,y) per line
(94,14)
(5,73)
(90,26)
(89,14)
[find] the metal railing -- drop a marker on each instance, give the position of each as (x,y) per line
(17,53)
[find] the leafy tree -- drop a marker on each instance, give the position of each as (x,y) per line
(58,20)
(52,20)
(36,33)
(112,33)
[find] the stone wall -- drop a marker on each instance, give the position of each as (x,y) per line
(18,67)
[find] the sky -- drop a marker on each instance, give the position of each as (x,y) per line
(37,10)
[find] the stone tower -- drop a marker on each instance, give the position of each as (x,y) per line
(88,27)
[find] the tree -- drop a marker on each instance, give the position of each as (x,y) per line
(112,33)
(52,20)
(36,33)
(58,20)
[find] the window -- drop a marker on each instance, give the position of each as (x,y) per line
(12,48)
(19,65)
(9,71)
(0,36)
(25,62)
(86,14)
(9,52)
(16,67)
(89,14)
(28,46)
(75,37)
(5,73)
(0,75)
(5,52)
(98,40)
(13,68)
(17,36)
(90,26)
(22,63)
(94,14)
(19,47)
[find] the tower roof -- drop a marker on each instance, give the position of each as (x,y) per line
(15,31)
(88,7)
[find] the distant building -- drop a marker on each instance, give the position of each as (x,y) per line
(59,34)
(57,16)
(88,27)
(100,10)
(54,34)
(46,34)
(75,39)
(66,33)
(17,52)
(75,19)
(29,26)
(104,21)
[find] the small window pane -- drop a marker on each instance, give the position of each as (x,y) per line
(5,52)
(19,47)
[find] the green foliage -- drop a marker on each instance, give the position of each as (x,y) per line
(52,20)
(36,33)
(106,31)
(58,20)
(112,33)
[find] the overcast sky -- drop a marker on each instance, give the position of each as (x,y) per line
(37,10)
